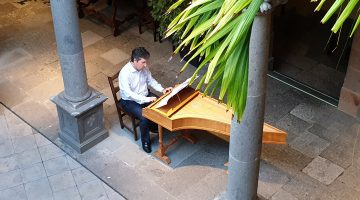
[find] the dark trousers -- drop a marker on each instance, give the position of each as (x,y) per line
(136,109)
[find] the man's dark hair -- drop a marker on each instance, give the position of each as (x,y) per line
(138,53)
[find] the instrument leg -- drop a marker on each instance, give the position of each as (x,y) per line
(160,153)
(187,136)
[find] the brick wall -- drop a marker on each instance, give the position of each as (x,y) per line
(350,92)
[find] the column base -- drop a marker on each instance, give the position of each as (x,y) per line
(81,123)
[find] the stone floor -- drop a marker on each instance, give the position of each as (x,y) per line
(321,160)
(32,167)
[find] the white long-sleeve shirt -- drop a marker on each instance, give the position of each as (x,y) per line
(134,84)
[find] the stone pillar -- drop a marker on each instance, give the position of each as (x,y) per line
(79,107)
(350,92)
(246,137)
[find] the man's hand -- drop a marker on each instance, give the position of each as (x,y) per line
(166,90)
(152,99)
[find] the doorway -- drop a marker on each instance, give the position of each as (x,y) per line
(306,54)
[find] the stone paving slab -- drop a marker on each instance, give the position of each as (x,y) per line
(327,133)
(39,189)
(69,194)
(15,57)
(28,158)
(323,170)
(309,144)
(115,56)
(341,152)
(33,172)
(62,181)
(24,143)
(207,188)
(340,190)
(92,190)
(8,164)
(56,165)
(50,151)
(312,111)
(130,155)
(89,38)
(100,29)
(302,186)
(99,81)
(152,169)
(131,184)
(271,180)
(16,193)
(283,195)
(293,125)
(279,106)
(14,95)
(348,179)
(177,181)
(47,89)
(82,175)
(285,158)
(107,67)
(10,179)
(6,149)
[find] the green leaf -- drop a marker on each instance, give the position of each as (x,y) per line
(344,15)
(233,62)
(175,5)
(209,7)
(336,5)
(355,26)
(320,5)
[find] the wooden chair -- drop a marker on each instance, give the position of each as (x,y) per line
(145,18)
(129,10)
(114,85)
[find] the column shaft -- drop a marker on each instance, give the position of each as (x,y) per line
(246,136)
(69,46)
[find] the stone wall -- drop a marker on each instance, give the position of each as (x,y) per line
(350,92)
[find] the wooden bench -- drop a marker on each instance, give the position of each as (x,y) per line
(114,85)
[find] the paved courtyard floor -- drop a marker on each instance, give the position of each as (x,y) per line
(32,167)
(320,161)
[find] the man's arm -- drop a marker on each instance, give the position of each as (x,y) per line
(152,82)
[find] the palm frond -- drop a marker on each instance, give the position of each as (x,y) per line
(220,31)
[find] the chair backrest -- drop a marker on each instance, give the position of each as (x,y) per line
(114,85)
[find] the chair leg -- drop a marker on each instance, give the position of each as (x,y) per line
(154,32)
(79,9)
(141,21)
(134,128)
(121,120)
(140,24)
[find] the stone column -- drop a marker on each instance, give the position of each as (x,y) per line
(350,92)
(246,137)
(79,107)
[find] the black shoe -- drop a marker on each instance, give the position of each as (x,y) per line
(147,147)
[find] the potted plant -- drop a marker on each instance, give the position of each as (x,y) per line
(163,19)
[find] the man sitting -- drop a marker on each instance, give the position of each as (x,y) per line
(134,79)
